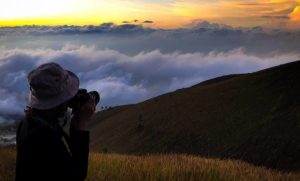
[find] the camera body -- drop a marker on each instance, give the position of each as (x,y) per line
(82,97)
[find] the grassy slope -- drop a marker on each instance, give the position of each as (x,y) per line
(160,167)
(7,164)
(253,117)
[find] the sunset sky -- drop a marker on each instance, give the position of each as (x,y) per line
(139,49)
(163,13)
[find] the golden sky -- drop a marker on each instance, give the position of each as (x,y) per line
(164,13)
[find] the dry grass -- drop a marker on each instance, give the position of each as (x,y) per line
(177,167)
(159,167)
(7,164)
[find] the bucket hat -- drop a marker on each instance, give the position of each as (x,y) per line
(51,85)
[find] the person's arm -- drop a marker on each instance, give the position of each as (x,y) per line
(79,138)
(79,147)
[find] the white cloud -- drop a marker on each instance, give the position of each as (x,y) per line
(128,64)
(123,79)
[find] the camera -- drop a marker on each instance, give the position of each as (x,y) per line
(82,97)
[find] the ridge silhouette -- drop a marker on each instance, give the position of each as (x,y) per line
(253,117)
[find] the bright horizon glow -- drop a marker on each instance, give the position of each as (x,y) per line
(164,13)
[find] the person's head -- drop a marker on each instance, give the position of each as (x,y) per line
(51,87)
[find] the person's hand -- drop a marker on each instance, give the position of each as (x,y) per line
(80,119)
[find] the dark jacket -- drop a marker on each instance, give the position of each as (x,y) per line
(43,155)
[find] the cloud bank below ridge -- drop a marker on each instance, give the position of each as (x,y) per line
(123,79)
(130,63)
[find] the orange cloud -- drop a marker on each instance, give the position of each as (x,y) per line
(295,15)
(263,7)
(269,13)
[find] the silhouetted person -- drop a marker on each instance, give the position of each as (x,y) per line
(42,153)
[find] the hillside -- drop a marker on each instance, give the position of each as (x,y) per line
(253,117)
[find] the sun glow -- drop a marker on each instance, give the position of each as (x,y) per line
(164,14)
(77,12)
(21,9)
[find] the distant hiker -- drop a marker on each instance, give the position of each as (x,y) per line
(44,150)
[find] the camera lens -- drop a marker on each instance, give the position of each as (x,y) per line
(82,97)
(95,95)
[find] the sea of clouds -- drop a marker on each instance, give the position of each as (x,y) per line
(128,64)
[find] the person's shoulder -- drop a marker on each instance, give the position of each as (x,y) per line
(32,129)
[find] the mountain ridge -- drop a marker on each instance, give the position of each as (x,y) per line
(252,117)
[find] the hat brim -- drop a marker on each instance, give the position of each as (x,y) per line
(49,103)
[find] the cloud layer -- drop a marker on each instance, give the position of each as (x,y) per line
(123,79)
(131,39)
(129,63)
